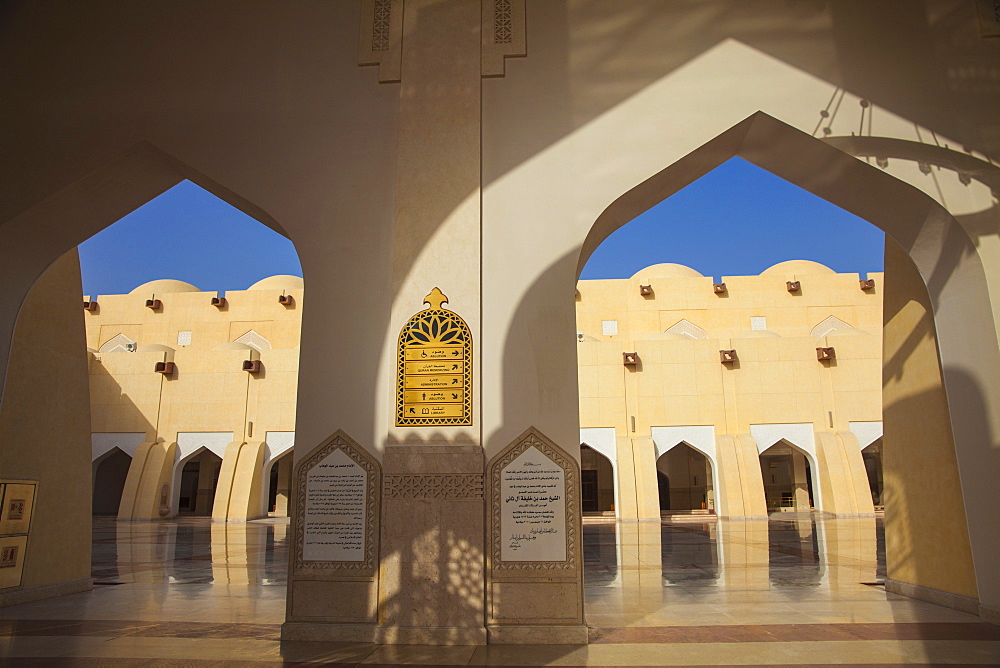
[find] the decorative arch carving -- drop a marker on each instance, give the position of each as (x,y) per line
(118,343)
(688,329)
(255,341)
(831,324)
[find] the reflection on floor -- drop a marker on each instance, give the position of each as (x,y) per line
(792,590)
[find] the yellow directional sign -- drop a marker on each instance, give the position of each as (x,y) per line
(433,396)
(420,354)
(434,381)
(430,411)
(421,368)
(415,382)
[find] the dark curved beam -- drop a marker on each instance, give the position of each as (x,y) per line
(890,147)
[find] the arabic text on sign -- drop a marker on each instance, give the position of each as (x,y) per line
(421,353)
(432,382)
(433,396)
(432,410)
(434,367)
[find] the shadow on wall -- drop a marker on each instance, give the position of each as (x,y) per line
(544,318)
(436,580)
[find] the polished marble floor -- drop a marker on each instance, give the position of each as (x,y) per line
(794,590)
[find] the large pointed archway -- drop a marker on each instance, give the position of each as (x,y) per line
(954,279)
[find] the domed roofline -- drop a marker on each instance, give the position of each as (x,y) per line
(163,286)
(279,282)
(667,270)
(797,267)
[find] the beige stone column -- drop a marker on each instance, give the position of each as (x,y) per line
(800,481)
(928,553)
(284,486)
(147,486)
(742,487)
(841,477)
(206,482)
(44,435)
(647,491)
(431,584)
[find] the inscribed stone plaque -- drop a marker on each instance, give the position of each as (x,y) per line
(15,513)
(334,524)
(336,497)
(11,560)
(434,368)
(534,508)
(533,511)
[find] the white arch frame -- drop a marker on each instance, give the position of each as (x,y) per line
(866,432)
(277,444)
(603,440)
(802,437)
(700,438)
(96,463)
(190,444)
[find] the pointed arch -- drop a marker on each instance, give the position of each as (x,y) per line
(254,340)
(118,343)
(687,329)
(830,324)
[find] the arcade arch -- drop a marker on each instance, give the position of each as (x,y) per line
(952,273)
(872,455)
(110,472)
(685,479)
(788,478)
(597,482)
(277,477)
(196,478)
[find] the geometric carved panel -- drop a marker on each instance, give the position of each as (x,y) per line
(381,39)
(435,486)
(503,34)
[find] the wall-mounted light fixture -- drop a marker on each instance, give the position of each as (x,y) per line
(90,306)
(793,286)
(867,283)
(154,304)
(728,356)
(219,302)
(165,368)
(719,288)
(630,359)
(251,366)
(646,290)
(824,354)
(286,300)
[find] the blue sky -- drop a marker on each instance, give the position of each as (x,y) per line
(736,220)
(209,243)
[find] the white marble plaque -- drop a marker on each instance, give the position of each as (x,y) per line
(334,522)
(532,509)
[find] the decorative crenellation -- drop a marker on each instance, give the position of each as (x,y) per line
(532,438)
(338,441)
(503,31)
(381,37)
(437,486)
(502,34)
(381,24)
